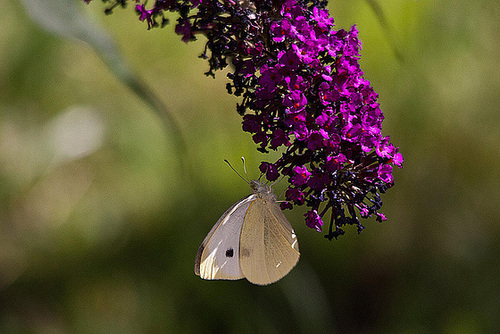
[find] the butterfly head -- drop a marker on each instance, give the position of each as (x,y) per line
(260,188)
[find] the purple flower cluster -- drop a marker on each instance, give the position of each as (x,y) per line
(303,92)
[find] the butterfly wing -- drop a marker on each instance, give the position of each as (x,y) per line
(218,255)
(268,244)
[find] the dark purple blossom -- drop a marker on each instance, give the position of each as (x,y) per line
(295,195)
(317,139)
(289,62)
(144,15)
(280,30)
(323,19)
(397,159)
(251,123)
(260,138)
(301,175)
(334,163)
(380,217)
(384,173)
(318,180)
(269,170)
(303,93)
(279,137)
(313,220)
(295,101)
(184,29)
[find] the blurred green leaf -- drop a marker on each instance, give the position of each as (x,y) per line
(67,19)
(379,13)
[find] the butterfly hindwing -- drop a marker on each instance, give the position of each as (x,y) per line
(268,245)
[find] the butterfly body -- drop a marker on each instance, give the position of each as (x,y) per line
(252,240)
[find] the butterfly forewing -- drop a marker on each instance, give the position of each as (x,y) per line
(218,255)
(268,245)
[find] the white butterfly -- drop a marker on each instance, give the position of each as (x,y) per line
(252,239)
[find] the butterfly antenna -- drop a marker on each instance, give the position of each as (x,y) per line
(281,195)
(260,177)
(245,168)
(278,180)
(225,160)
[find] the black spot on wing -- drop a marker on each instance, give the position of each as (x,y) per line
(229,252)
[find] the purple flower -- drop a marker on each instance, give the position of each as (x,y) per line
(251,123)
(352,132)
(295,101)
(289,61)
(385,149)
(316,139)
(293,120)
(325,22)
(270,170)
(385,173)
(184,29)
(279,137)
(280,30)
(313,220)
(290,9)
(371,119)
(303,54)
(145,15)
(301,131)
(295,195)
(301,90)
(260,137)
(364,212)
(323,119)
(368,141)
(296,82)
(380,217)
(270,77)
(328,94)
(318,180)
(335,163)
(398,159)
(301,175)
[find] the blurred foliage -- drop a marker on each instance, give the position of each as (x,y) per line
(100,222)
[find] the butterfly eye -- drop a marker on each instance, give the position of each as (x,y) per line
(230,252)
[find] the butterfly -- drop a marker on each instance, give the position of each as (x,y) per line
(252,240)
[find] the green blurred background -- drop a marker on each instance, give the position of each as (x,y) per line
(102,209)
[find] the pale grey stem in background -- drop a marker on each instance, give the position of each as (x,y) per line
(67,18)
